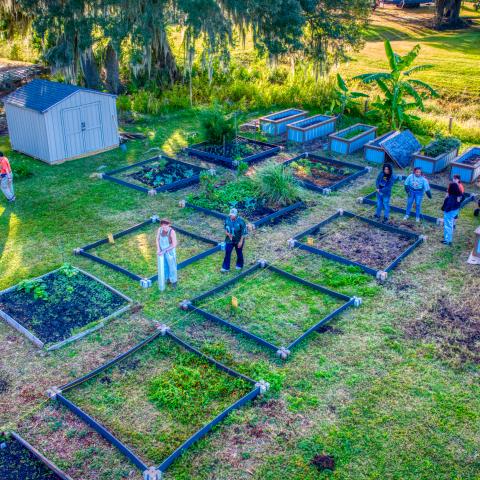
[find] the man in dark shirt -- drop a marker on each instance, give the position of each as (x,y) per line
(235,233)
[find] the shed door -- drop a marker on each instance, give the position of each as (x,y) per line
(82,128)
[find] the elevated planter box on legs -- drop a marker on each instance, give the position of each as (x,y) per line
(436,164)
(311,128)
(276,123)
(351,139)
(467,165)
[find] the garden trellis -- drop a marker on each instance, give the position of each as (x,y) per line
(281,350)
(155,472)
(147,281)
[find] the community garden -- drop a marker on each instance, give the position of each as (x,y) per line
(347,347)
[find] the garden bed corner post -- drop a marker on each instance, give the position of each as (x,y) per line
(152,474)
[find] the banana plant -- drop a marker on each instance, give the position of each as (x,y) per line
(401,93)
(344,100)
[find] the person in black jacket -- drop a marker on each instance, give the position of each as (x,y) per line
(451,209)
(384,184)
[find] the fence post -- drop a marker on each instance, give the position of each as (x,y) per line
(450,124)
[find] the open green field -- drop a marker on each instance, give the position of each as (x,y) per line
(390,390)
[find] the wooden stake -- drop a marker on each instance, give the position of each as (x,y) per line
(310,241)
(450,124)
(110,238)
(234,302)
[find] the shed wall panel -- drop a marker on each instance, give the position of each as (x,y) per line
(27,132)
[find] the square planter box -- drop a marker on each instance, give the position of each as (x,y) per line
(263,150)
(345,146)
(20,460)
(276,123)
(431,165)
(374,152)
(113,175)
(309,129)
(467,165)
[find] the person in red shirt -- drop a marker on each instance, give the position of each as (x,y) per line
(6,178)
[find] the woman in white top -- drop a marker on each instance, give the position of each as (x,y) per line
(167,254)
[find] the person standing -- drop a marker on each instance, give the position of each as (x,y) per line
(166,254)
(451,209)
(235,233)
(6,178)
(384,184)
(416,186)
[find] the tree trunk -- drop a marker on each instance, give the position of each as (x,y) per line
(447,12)
(439,12)
(163,64)
(112,70)
(90,73)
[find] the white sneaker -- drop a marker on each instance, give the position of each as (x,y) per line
(223,270)
(238,268)
(405,217)
(417,220)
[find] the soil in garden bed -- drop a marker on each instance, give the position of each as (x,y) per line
(361,242)
(321,174)
(137,251)
(165,396)
(473,160)
(71,304)
(162,172)
(18,463)
(240,148)
(273,307)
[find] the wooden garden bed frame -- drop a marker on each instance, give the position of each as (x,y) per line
(146,281)
(360,170)
(179,184)
(381,275)
(98,324)
(154,472)
(282,351)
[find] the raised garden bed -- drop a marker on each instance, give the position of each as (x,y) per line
(467,165)
(374,152)
(158,174)
(232,154)
(242,195)
(322,174)
(137,248)
(21,461)
(434,205)
(61,306)
(351,139)
(276,123)
(354,240)
(157,399)
(436,156)
(264,293)
(311,128)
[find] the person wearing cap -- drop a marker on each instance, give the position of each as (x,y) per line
(235,233)
(6,178)
(167,253)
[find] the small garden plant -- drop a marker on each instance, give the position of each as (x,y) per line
(440,146)
(321,174)
(161,173)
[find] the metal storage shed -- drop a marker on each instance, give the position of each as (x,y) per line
(55,122)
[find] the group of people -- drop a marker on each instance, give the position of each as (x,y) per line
(6,178)
(416,187)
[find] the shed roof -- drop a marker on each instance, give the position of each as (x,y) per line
(41,95)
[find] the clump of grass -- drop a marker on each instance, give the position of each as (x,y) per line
(217,127)
(278,185)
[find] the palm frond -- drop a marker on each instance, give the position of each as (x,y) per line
(418,68)
(424,85)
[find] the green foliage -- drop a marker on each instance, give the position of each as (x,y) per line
(400,92)
(242,168)
(278,185)
(217,128)
(68,270)
(345,100)
(124,103)
(21,171)
(441,145)
(36,286)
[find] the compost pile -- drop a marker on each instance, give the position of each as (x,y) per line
(165,172)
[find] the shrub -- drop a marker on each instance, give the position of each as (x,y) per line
(278,185)
(217,127)
(21,171)
(124,103)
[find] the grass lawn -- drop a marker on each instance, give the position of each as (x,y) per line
(389,390)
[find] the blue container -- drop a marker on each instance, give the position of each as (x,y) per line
(430,165)
(468,172)
(337,142)
(276,123)
(373,152)
(311,128)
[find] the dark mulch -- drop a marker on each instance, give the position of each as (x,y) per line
(321,174)
(471,160)
(18,463)
(161,173)
(72,303)
(362,243)
(323,462)
(239,148)
(454,325)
